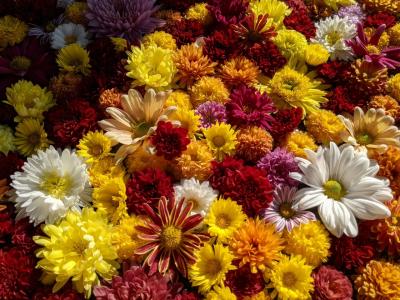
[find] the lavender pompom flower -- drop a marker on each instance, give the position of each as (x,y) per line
(277,165)
(129,19)
(210,113)
(353,12)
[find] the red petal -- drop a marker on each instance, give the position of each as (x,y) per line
(163,263)
(146,230)
(146,248)
(150,212)
(192,222)
(185,213)
(163,211)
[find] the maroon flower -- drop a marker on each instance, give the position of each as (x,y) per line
(66,293)
(300,21)
(185,31)
(147,186)
(377,19)
(247,107)
(228,12)
(267,57)
(344,99)
(286,120)
(6,224)
(66,124)
(330,284)
(169,141)
(186,295)
(244,283)
(334,71)
(22,236)
(9,164)
(221,44)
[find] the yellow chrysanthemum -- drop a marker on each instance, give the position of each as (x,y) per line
(12,31)
(335,4)
(180,99)
(221,139)
(188,119)
(292,88)
(110,198)
(120,44)
(6,139)
(394,86)
(263,295)
(78,248)
(316,54)
(221,293)
(297,141)
(124,236)
(160,39)
(291,43)
(94,146)
(394,35)
(199,12)
(291,279)
(151,66)
(142,159)
(29,100)
(311,241)
(379,280)
(391,6)
(195,162)
(275,10)
(325,126)
(223,218)
(209,89)
(30,137)
(73,58)
(75,12)
(103,170)
(212,264)
(239,70)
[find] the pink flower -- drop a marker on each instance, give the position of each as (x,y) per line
(330,284)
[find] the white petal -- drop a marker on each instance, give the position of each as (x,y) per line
(367,209)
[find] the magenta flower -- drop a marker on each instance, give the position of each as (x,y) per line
(210,113)
(282,212)
(388,57)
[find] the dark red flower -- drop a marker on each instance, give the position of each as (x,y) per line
(6,224)
(244,283)
(186,295)
(66,293)
(228,12)
(9,164)
(330,284)
(169,141)
(248,107)
(22,236)
(267,57)
(27,60)
(377,19)
(66,124)
(221,44)
(286,120)
(185,31)
(344,99)
(334,71)
(300,21)
(147,187)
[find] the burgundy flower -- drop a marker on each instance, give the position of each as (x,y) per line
(344,99)
(379,18)
(267,57)
(6,224)
(286,121)
(244,283)
(334,71)
(221,44)
(9,164)
(169,141)
(228,12)
(147,186)
(247,107)
(330,284)
(66,293)
(185,31)
(300,21)
(22,236)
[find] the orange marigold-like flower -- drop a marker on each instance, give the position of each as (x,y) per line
(392,6)
(388,103)
(110,98)
(257,243)
(253,143)
(239,70)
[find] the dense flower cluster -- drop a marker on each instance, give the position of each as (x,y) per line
(189,149)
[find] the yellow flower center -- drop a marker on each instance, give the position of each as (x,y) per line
(334,190)
(70,39)
(20,63)
(364,139)
(373,49)
(96,150)
(34,138)
(218,141)
(289,279)
(333,37)
(56,186)
(223,221)
(290,84)
(79,246)
(213,267)
(286,210)
(171,237)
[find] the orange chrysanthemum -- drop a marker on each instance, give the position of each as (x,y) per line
(392,6)
(253,143)
(389,163)
(110,98)
(143,159)
(389,104)
(257,243)
(192,64)
(239,70)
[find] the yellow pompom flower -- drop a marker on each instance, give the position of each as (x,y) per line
(209,89)
(394,86)
(221,139)
(124,236)
(311,241)
(73,58)
(297,141)
(110,198)
(291,88)
(78,248)
(188,119)
(325,126)
(223,218)
(30,137)
(6,139)
(394,35)
(94,146)
(179,99)
(212,264)
(335,4)
(316,54)
(29,100)
(199,12)
(221,293)
(142,159)
(151,66)
(103,170)
(291,43)
(256,243)
(275,10)
(159,39)
(12,31)
(291,279)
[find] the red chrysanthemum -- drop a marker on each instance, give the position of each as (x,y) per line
(242,282)
(286,121)
(330,284)
(248,107)
(334,71)
(170,237)
(169,141)
(22,236)
(300,21)
(344,99)
(377,19)
(17,275)
(6,224)
(228,12)
(66,293)
(66,124)
(267,57)
(185,31)
(186,295)
(146,187)
(221,44)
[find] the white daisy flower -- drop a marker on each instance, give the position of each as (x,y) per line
(200,194)
(67,34)
(342,183)
(332,33)
(51,184)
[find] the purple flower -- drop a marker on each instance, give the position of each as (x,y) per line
(210,113)
(282,212)
(388,57)
(129,19)
(353,12)
(277,165)
(247,107)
